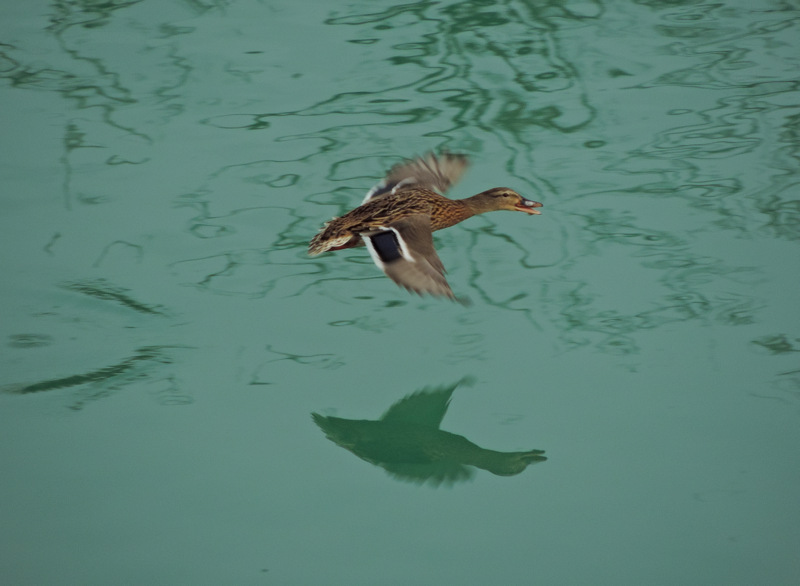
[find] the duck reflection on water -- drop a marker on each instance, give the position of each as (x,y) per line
(407,442)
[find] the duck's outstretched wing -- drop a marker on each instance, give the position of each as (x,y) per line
(430,171)
(404,251)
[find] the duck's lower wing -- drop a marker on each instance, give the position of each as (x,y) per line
(404,251)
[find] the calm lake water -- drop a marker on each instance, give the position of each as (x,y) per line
(166,339)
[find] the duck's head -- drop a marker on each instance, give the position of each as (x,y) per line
(503,198)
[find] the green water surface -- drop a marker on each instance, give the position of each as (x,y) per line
(165,339)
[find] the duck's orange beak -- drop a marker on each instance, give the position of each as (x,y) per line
(528,206)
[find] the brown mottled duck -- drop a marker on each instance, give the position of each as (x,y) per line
(397,219)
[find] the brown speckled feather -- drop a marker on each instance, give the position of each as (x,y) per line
(399,215)
(344,232)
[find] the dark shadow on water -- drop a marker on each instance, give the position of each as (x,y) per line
(90,377)
(408,443)
(101,289)
(105,381)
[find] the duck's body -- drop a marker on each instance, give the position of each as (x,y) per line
(399,215)
(346,231)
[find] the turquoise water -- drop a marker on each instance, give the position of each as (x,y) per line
(166,338)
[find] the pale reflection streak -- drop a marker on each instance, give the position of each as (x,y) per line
(103,91)
(734,162)
(752,121)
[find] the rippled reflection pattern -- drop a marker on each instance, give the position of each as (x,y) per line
(710,151)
